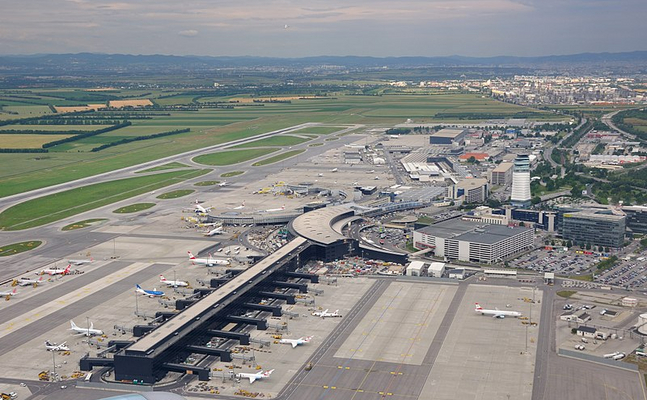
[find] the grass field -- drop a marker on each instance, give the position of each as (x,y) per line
(283,140)
(320,130)
(206,183)
(232,173)
(24,172)
(277,158)
(232,156)
(82,224)
(46,209)
(133,208)
(27,141)
(16,248)
(175,194)
(315,144)
(173,165)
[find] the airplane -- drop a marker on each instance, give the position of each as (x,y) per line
(215,231)
(201,210)
(8,294)
(173,283)
(56,347)
(149,293)
(209,262)
(334,170)
(257,376)
(325,313)
(85,331)
(27,281)
(223,183)
(80,262)
(55,271)
(275,209)
(240,207)
(496,313)
(296,342)
(320,174)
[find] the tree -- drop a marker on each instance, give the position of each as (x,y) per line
(569,243)
(588,246)
(535,200)
(522,224)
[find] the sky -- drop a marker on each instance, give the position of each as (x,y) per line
(300,28)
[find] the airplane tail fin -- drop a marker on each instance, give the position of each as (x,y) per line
(91,325)
(191,256)
(162,279)
(478,306)
(47,343)
(266,374)
(73,325)
(67,270)
(137,286)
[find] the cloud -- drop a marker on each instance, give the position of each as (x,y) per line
(188,33)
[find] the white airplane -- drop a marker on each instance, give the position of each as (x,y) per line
(325,313)
(149,293)
(334,170)
(209,262)
(296,342)
(85,331)
(80,262)
(56,347)
(214,231)
(201,210)
(223,183)
(275,209)
(240,207)
(173,283)
(253,377)
(496,313)
(8,294)
(28,281)
(55,271)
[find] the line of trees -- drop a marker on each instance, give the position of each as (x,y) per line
(36,150)
(137,138)
(87,134)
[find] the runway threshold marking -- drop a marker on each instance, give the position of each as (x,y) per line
(46,309)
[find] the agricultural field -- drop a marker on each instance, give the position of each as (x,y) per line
(208,126)
(27,141)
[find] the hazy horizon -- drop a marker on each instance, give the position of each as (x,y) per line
(291,29)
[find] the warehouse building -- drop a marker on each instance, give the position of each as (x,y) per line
(448,136)
(455,239)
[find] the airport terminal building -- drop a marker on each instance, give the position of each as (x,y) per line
(456,239)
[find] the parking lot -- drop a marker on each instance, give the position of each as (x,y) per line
(559,262)
(629,273)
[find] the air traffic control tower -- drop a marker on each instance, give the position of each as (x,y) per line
(520,196)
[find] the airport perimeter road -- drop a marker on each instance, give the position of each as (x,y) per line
(64,314)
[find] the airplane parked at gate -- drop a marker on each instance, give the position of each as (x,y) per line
(253,377)
(80,262)
(296,342)
(56,271)
(149,293)
(56,347)
(85,331)
(274,209)
(215,231)
(173,283)
(28,281)
(8,294)
(496,313)
(201,210)
(325,313)
(209,262)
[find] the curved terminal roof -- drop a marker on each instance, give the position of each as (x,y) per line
(147,396)
(317,225)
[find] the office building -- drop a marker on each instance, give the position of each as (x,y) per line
(502,174)
(597,227)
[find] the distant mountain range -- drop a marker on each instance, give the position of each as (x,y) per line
(111,61)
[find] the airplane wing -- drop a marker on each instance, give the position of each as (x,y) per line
(294,344)
(252,378)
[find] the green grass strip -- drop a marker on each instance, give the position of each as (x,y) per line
(277,158)
(134,208)
(232,156)
(16,248)
(273,141)
(206,183)
(82,224)
(232,173)
(175,194)
(173,165)
(47,209)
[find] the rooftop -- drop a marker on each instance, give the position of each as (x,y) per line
(469,231)
(448,132)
